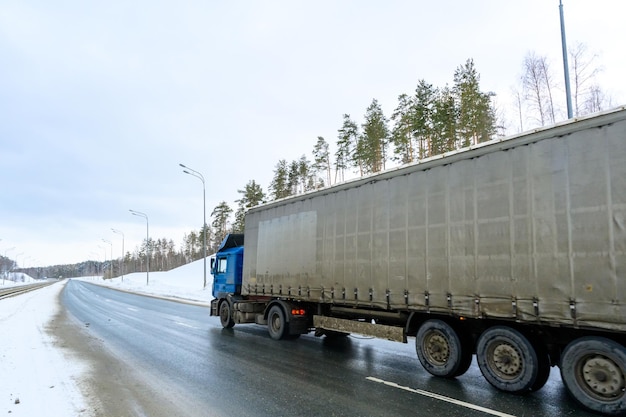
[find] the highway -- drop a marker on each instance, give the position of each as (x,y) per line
(163,358)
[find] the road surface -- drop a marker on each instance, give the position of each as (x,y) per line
(161,358)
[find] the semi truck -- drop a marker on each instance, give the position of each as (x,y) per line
(513,250)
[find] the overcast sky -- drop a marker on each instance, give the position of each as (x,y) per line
(100,101)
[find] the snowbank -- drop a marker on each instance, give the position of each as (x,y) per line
(186,282)
(37,378)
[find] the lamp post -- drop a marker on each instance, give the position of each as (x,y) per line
(568,93)
(198,175)
(16,264)
(122,258)
(105,259)
(145,216)
(110,263)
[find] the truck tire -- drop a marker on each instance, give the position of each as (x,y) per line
(543,365)
(507,360)
(441,351)
(226,315)
(593,370)
(276,323)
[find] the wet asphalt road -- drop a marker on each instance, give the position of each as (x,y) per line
(202,369)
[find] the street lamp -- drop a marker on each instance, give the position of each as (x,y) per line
(105,259)
(198,175)
(145,216)
(568,93)
(122,258)
(111,263)
(16,264)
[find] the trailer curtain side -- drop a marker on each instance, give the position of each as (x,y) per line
(532,228)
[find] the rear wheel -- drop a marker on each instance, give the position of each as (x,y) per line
(593,370)
(543,371)
(276,323)
(441,351)
(226,316)
(508,361)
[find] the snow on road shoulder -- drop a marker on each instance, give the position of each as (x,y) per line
(36,378)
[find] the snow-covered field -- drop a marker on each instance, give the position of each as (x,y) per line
(37,378)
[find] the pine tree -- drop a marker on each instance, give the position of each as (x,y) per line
(423,113)
(372,146)
(252,195)
(306,175)
(444,120)
(476,118)
(190,246)
(221,215)
(346,146)
(280,184)
(321,158)
(293,178)
(402,133)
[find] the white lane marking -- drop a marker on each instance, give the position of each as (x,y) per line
(441,398)
(185,324)
(132,309)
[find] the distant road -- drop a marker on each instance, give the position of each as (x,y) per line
(161,358)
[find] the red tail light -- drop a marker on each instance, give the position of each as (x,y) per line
(298,312)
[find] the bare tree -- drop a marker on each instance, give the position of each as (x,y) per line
(517,96)
(596,100)
(532,85)
(538,85)
(548,84)
(588,97)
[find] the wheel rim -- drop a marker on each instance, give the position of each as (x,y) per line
(505,360)
(276,323)
(601,377)
(224,313)
(436,348)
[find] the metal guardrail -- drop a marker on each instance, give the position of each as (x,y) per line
(21,289)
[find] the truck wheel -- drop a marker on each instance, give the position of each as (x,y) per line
(543,366)
(441,351)
(226,316)
(508,360)
(593,370)
(276,323)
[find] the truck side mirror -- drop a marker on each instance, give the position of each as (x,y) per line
(212,264)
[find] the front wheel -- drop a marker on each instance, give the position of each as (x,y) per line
(508,361)
(593,370)
(441,351)
(226,316)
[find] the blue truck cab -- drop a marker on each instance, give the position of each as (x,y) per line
(227,266)
(284,318)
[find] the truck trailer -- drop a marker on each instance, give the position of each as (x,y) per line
(513,250)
